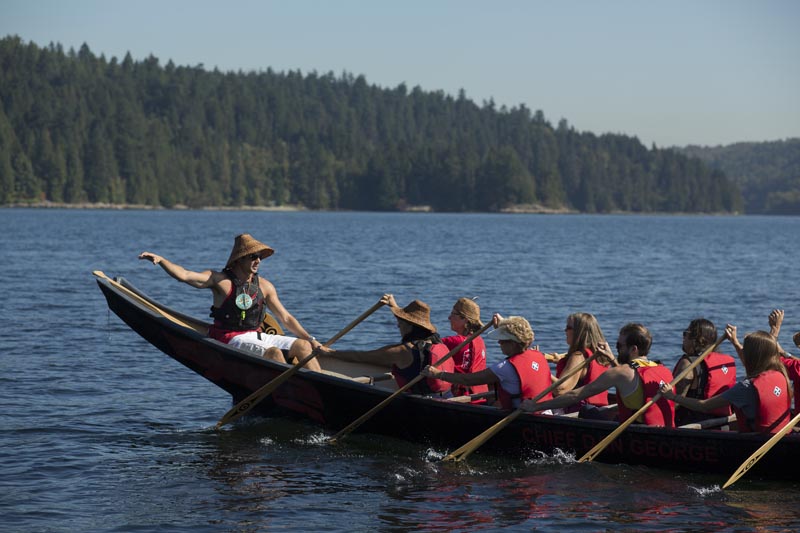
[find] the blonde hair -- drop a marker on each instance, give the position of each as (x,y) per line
(519,328)
(586,332)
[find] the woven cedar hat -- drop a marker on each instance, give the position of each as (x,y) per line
(513,328)
(418,313)
(246,245)
(468,309)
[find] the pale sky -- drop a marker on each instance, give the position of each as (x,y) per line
(671,72)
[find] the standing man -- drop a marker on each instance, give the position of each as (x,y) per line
(240,298)
(636,378)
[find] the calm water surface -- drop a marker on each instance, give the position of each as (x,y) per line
(101,432)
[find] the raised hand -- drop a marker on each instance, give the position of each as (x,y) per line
(775,320)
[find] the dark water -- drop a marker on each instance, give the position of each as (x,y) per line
(101,432)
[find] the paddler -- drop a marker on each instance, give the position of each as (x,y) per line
(524,372)
(241,298)
(636,378)
(715,375)
(762,401)
(419,346)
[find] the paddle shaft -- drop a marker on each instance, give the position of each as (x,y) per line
(366,416)
(762,451)
(464,451)
(251,401)
(144,302)
(600,446)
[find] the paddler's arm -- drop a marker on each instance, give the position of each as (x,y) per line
(484,377)
(730,331)
(393,354)
(706,406)
(279,311)
(199,280)
(602,383)
(574,359)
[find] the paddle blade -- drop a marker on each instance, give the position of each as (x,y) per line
(761,452)
(254,399)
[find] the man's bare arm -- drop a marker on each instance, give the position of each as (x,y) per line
(200,280)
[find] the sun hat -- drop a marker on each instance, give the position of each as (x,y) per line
(513,328)
(245,245)
(468,309)
(417,313)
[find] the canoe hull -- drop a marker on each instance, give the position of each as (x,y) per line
(333,403)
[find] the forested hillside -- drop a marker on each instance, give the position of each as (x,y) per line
(768,173)
(75,127)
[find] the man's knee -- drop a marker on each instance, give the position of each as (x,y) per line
(300,348)
(274,354)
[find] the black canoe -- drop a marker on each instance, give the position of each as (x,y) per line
(334,399)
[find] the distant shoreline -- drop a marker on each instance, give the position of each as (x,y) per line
(177,207)
(526,209)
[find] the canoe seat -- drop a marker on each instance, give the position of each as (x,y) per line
(472,397)
(371,380)
(711,423)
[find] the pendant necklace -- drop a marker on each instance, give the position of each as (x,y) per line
(244,301)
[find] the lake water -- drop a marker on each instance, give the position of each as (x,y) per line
(101,432)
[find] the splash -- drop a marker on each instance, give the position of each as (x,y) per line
(433,456)
(706,491)
(557,457)
(315,439)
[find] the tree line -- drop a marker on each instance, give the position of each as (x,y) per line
(768,173)
(76,127)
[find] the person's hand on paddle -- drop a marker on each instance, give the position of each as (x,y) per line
(529,406)
(430,371)
(496,318)
(320,349)
(605,351)
(667,391)
(555,357)
(606,354)
(388,299)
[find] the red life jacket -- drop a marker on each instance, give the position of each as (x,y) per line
(717,374)
(774,404)
(594,371)
(792,365)
(425,352)
(470,359)
(534,377)
(662,412)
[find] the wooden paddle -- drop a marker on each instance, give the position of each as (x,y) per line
(464,451)
(761,452)
(168,316)
(600,446)
(366,416)
(254,399)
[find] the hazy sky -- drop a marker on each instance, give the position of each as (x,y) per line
(670,72)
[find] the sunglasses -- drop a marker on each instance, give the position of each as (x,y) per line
(253,257)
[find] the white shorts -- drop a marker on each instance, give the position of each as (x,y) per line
(256,342)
